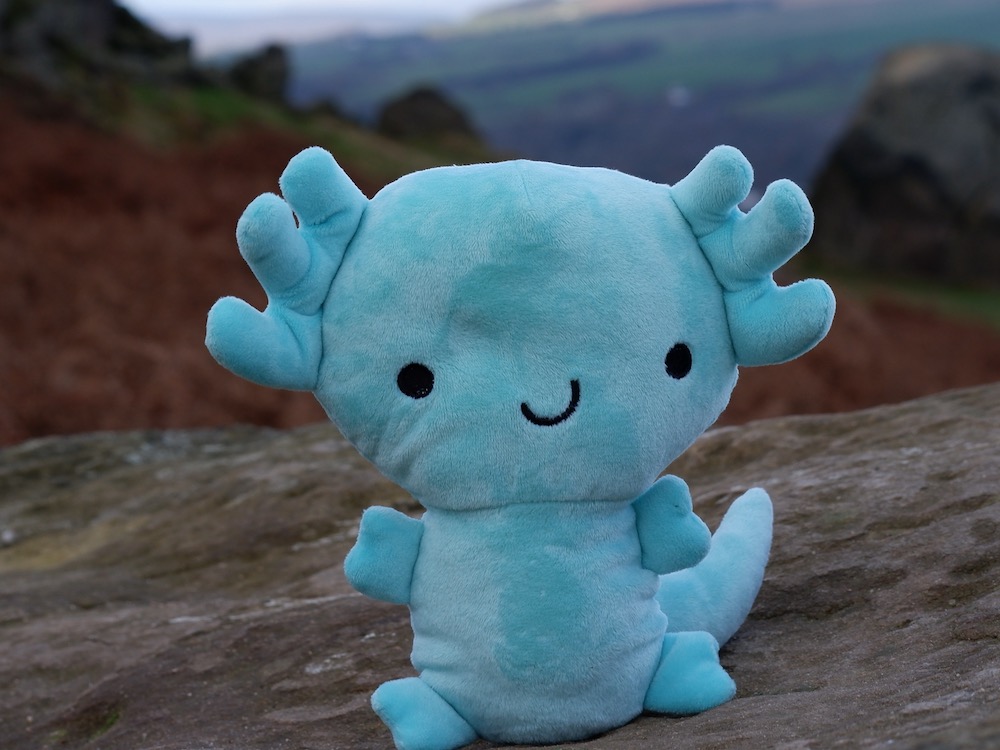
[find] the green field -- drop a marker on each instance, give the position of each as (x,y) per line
(955,302)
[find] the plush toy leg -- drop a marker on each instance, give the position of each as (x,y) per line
(689,679)
(419,718)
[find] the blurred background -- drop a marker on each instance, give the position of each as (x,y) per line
(133,133)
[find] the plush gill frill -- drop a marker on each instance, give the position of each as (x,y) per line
(768,324)
(282,346)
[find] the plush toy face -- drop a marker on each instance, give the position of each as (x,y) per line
(524,332)
(520,332)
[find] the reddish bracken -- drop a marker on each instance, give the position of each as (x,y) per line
(112,252)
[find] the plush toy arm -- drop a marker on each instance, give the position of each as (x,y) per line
(295,264)
(381,563)
(671,536)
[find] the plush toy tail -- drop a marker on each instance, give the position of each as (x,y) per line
(716,594)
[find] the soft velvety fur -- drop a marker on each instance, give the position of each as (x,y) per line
(550,580)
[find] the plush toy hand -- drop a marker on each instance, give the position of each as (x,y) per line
(295,265)
(671,536)
(381,563)
(769,324)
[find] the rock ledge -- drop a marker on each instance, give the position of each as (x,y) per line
(180,590)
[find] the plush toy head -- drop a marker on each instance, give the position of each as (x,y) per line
(522,331)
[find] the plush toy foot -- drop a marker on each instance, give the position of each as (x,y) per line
(419,718)
(689,679)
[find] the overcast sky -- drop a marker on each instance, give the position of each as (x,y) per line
(224,25)
(162,8)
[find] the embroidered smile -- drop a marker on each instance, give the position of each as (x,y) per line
(574,401)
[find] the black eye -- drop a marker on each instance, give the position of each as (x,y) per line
(415,380)
(678,361)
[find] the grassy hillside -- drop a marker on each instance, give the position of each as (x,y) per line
(171,116)
(649,92)
(117,235)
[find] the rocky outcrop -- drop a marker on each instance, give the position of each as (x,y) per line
(913,186)
(184,589)
(263,74)
(423,113)
(63,43)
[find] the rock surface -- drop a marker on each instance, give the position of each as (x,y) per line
(913,186)
(182,590)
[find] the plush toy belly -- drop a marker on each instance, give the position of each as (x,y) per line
(536,622)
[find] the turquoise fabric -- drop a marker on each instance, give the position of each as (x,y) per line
(524,347)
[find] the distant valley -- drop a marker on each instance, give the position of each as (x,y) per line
(650,90)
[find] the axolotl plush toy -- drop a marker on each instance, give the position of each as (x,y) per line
(524,347)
